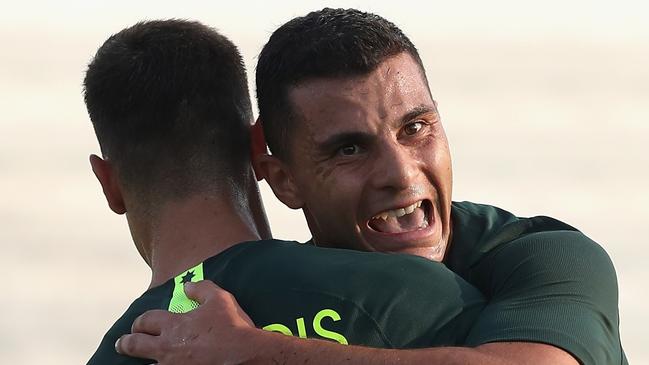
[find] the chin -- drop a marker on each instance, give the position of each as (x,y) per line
(426,249)
(434,253)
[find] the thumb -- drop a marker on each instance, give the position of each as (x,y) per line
(202,291)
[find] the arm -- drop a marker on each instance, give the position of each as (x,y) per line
(295,351)
(195,338)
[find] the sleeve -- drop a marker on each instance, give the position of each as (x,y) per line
(557,288)
(156,298)
(106,353)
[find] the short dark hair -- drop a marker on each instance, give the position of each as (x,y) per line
(170,106)
(325,43)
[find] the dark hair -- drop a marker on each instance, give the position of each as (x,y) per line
(324,43)
(169,103)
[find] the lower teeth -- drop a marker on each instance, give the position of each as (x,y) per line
(424,224)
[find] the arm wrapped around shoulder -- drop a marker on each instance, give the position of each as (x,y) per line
(557,288)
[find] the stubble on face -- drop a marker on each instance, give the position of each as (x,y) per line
(373,145)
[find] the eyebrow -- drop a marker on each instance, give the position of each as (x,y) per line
(339,139)
(415,112)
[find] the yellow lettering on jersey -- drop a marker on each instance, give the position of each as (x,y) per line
(276,327)
(317,327)
(301,328)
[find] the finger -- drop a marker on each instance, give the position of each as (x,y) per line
(138,345)
(202,291)
(151,322)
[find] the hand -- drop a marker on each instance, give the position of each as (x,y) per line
(218,332)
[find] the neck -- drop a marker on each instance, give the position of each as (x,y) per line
(188,231)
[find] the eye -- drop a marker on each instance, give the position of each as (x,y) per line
(413,128)
(349,150)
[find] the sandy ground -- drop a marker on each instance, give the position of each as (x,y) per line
(546,110)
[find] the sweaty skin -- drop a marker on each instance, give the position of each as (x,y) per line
(369,164)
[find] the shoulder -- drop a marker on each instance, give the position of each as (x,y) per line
(560,252)
(559,260)
(106,353)
(290,258)
(553,244)
(385,294)
(156,298)
(556,287)
(479,230)
(548,261)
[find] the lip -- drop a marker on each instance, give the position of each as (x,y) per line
(401,242)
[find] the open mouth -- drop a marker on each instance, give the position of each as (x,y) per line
(407,219)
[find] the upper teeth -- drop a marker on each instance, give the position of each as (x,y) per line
(396,213)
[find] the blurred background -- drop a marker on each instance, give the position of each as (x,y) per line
(546,105)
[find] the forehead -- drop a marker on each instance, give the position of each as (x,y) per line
(368,102)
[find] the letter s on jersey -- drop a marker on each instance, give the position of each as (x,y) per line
(317,327)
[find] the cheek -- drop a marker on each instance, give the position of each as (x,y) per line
(323,173)
(336,198)
(436,160)
(442,161)
(334,181)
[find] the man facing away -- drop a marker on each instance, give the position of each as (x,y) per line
(170,107)
(358,144)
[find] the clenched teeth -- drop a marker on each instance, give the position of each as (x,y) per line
(396,213)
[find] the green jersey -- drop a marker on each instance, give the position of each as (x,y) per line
(543,280)
(370,299)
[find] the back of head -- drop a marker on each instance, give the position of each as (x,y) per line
(170,106)
(328,43)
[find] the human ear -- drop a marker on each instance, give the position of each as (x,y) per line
(280,179)
(107,177)
(257,147)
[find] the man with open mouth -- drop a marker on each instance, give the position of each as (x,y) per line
(169,103)
(357,143)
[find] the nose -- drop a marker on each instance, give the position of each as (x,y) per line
(395,168)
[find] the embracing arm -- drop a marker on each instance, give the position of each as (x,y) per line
(195,338)
(287,350)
